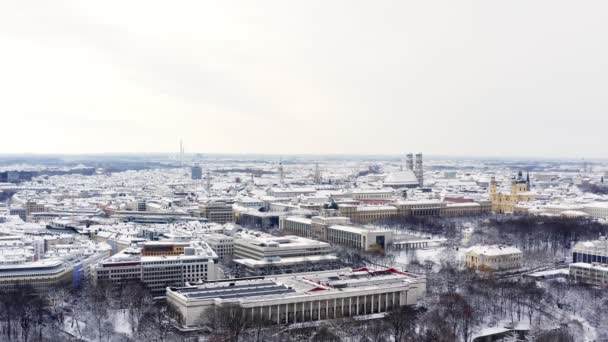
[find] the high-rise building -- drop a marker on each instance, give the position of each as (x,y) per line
(197,172)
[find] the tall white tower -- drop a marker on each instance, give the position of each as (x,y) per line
(317,174)
(181,153)
(208,183)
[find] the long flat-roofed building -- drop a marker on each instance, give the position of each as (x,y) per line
(591,274)
(466,209)
(590,262)
(315,227)
(301,226)
(372,195)
(368,213)
(591,252)
(258,246)
(40,274)
(301,297)
(287,265)
(597,210)
(261,254)
(290,192)
(46,262)
(420,207)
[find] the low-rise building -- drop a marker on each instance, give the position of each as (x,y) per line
(286,265)
(261,254)
(299,226)
(22,263)
(302,297)
(368,213)
(493,258)
(597,210)
(40,274)
(222,245)
(259,246)
(290,192)
(315,227)
(466,209)
(251,218)
(359,237)
(591,274)
(372,195)
(217,211)
(591,252)
(197,263)
(420,207)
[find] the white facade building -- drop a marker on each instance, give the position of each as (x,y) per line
(199,262)
(493,258)
(592,274)
(359,237)
(222,245)
(302,297)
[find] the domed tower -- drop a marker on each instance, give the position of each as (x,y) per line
(519,184)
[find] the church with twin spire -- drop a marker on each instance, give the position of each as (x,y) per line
(506,202)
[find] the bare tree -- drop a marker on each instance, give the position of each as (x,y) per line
(156,324)
(459,314)
(138,301)
(228,321)
(259,330)
(97,299)
(324,334)
(402,322)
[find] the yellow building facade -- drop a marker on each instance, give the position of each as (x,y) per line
(506,202)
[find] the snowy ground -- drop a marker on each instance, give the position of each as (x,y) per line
(119,319)
(432,254)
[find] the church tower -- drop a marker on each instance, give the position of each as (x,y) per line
(418,169)
(493,189)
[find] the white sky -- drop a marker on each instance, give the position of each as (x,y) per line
(525,78)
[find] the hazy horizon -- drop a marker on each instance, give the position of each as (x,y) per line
(514,79)
(296,156)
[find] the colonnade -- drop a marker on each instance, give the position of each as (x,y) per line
(321,309)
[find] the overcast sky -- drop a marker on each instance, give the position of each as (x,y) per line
(490,78)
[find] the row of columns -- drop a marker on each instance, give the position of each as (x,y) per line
(408,245)
(320,309)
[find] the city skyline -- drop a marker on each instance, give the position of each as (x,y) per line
(457,79)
